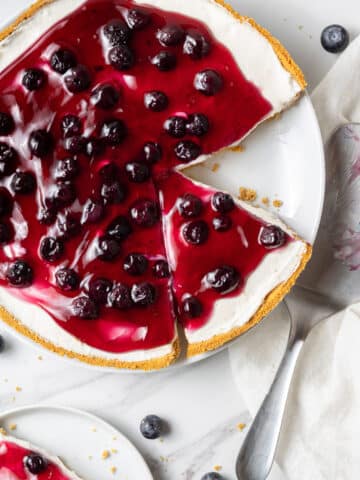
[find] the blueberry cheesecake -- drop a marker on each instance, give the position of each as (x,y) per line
(106,246)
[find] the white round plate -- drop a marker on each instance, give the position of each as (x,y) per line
(79,439)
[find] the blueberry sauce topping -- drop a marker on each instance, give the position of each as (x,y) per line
(108,248)
(105,96)
(272,236)
(208,82)
(145,213)
(77,79)
(222,202)
(135,264)
(175,126)
(192,307)
(113,131)
(71,125)
(196,45)
(156,101)
(120,297)
(7,124)
(117,32)
(6,232)
(137,172)
(222,223)
(196,232)
(33,79)
(99,289)
(121,58)
(187,151)
(8,160)
(67,279)
(164,61)
(41,143)
(51,249)
(223,279)
(190,206)
(197,124)
(170,35)
(62,60)
(23,183)
(137,19)
(161,269)
(20,274)
(85,308)
(35,463)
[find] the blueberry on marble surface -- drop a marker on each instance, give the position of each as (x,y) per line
(151,427)
(335,38)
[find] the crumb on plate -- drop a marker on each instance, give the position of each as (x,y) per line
(247,194)
(241,426)
(105,454)
(277,203)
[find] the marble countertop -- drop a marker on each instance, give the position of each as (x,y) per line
(201,402)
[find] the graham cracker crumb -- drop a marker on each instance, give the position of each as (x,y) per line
(247,194)
(90,457)
(93,429)
(217,468)
(12,426)
(113,470)
(40,357)
(18,389)
(113,450)
(237,148)
(114,437)
(215,167)
(3,431)
(241,426)
(265,200)
(277,203)
(105,454)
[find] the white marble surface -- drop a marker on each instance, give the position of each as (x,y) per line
(201,402)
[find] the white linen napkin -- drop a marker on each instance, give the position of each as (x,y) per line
(321,431)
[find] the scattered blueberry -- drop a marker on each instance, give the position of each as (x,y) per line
(51,249)
(196,45)
(196,232)
(35,463)
(23,183)
(187,150)
(8,160)
(137,19)
(192,307)
(223,279)
(85,308)
(151,153)
(117,32)
(121,57)
(335,38)
(143,294)
(47,215)
(137,172)
(6,232)
(63,194)
(151,427)
(272,236)
(222,202)
(76,144)
(189,206)
(113,131)
(175,126)
(113,192)
(62,60)
(6,202)
(170,35)
(71,125)
(33,79)
(93,211)
(20,274)
(156,101)
(77,79)
(67,169)
(145,213)
(67,279)
(161,269)
(41,143)
(164,61)
(197,124)
(108,248)
(7,124)
(135,264)
(119,228)
(94,147)
(120,297)
(99,289)
(208,82)
(105,96)
(69,226)
(222,223)
(212,476)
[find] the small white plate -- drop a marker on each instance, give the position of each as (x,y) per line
(79,439)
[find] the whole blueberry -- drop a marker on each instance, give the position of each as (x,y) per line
(170,35)
(151,153)
(189,206)
(51,249)
(23,183)
(212,476)
(116,32)
(208,82)
(113,192)
(2,343)
(94,147)
(85,308)
(109,172)
(67,169)
(8,160)
(63,194)
(196,45)
(161,269)
(156,101)
(62,60)
(135,264)
(105,96)
(151,427)
(33,79)
(77,79)
(137,172)
(69,226)
(47,215)
(6,232)
(93,211)
(137,19)
(108,248)
(40,143)
(187,150)
(76,144)
(145,213)
(335,38)
(197,124)
(20,274)
(222,223)
(71,125)
(120,297)
(99,289)
(164,61)
(119,228)
(175,126)
(7,124)
(196,232)
(222,202)
(223,279)
(143,294)
(35,463)
(6,202)
(272,236)
(113,131)
(67,279)
(121,58)
(192,307)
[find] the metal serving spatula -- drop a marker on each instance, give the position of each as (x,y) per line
(331,283)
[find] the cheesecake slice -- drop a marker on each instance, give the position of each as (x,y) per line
(19,460)
(101,101)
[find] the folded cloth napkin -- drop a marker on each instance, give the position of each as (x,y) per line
(321,430)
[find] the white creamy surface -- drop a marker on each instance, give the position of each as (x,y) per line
(258,63)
